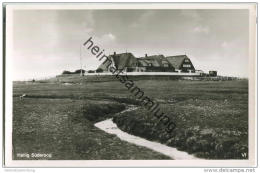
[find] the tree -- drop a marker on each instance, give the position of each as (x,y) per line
(66,72)
(99,70)
(79,71)
(91,71)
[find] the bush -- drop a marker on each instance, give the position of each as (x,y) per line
(91,71)
(66,72)
(79,71)
(99,70)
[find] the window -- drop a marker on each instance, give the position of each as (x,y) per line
(186,65)
(186,60)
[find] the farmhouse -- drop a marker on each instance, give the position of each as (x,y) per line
(127,62)
(181,63)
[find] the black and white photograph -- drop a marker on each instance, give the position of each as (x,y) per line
(135,84)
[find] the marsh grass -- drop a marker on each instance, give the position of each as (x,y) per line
(211,118)
(62,128)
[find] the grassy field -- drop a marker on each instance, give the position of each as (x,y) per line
(58,118)
(211,117)
(64,128)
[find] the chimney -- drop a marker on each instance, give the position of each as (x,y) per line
(146,55)
(114,53)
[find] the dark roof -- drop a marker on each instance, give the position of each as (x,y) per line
(142,62)
(103,65)
(176,61)
(124,60)
(128,60)
(156,60)
(120,60)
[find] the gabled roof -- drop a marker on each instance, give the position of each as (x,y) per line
(128,60)
(176,61)
(142,62)
(120,61)
(105,64)
(155,60)
(124,60)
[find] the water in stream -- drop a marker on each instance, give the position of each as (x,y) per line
(110,127)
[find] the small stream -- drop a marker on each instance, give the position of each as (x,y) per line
(110,127)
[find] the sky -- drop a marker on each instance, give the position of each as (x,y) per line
(46,42)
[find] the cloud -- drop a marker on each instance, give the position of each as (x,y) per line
(233,44)
(144,18)
(201,29)
(191,14)
(105,39)
(108,37)
(229,45)
(51,38)
(224,44)
(89,22)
